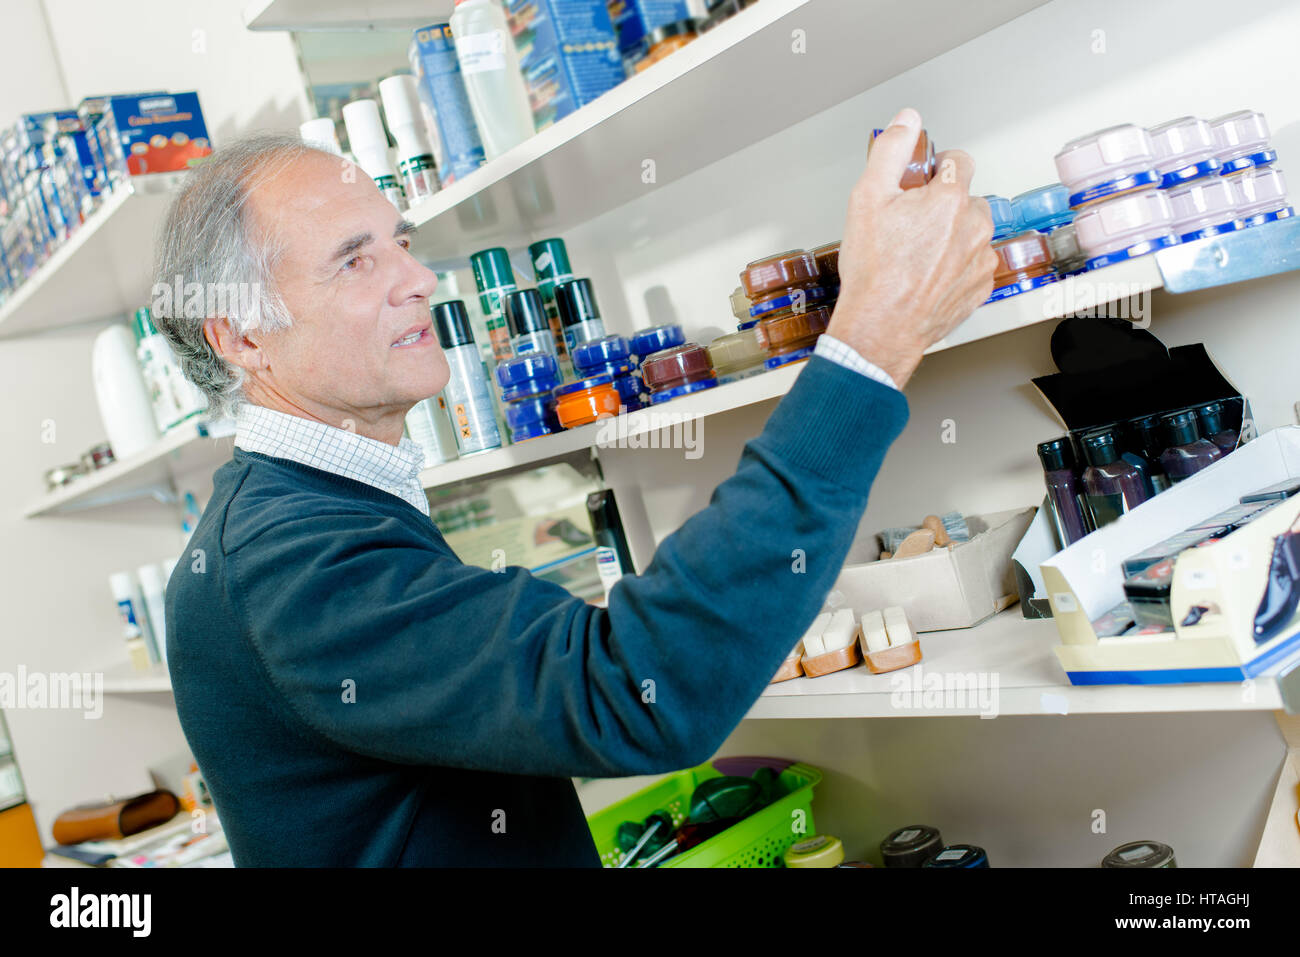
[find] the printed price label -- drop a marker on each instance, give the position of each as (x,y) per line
(481,52)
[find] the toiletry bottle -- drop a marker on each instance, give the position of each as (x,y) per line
(1146,434)
(1112,486)
(489,64)
(1062,491)
(468,395)
(1210,419)
(1131,451)
(370,146)
(1186,454)
(530,328)
(415,161)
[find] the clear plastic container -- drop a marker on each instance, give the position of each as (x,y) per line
(656,339)
(1003,219)
(1067,257)
(527,376)
(1242,140)
(793,331)
(1257,192)
(1043,209)
(827,258)
(532,417)
(1185,150)
(586,401)
(920,170)
(1125,227)
(778,281)
(1204,207)
(735,355)
(677,371)
(1109,162)
(1024,263)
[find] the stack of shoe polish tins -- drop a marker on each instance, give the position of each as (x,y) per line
(527,383)
(1188,163)
(787,296)
(1258,186)
(1047,210)
(610,356)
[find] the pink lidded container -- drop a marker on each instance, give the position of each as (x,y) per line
(1185,150)
(1204,207)
(1242,141)
(1109,162)
(1125,227)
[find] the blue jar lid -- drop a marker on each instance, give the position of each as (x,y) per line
(777,361)
(1185,174)
(606,368)
(814,294)
(602,351)
(531,411)
(591,383)
(1195,234)
(1016,288)
(696,386)
(535,365)
(628,386)
(1262,158)
(749,324)
(1132,252)
(1003,218)
(656,339)
(1113,187)
(533,431)
(1041,209)
(1259,219)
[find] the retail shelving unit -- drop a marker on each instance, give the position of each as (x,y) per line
(103,270)
(308,15)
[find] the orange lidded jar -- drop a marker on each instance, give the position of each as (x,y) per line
(679,371)
(782,283)
(665,39)
(1024,263)
(586,401)
(791,336)
(920,169)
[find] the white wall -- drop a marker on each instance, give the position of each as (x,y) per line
(60,616)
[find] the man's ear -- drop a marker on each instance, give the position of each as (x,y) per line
(239,350)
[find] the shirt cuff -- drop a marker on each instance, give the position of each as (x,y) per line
(844,355)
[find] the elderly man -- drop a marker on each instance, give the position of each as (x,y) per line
(353,692)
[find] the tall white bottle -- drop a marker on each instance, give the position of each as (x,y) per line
(489,65)
(123,398)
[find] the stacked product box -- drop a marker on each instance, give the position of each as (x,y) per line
(151,133)
(568,52)
(634,19)
(445,103)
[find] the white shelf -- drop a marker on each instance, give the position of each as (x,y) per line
(179,452)
(123,679)
(734,86)
(103,270)
(309,15)
(1021,654)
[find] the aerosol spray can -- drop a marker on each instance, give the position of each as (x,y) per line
(530,330)
(321,134)
(468,394)
(370,146)
(415,161)
(430,428)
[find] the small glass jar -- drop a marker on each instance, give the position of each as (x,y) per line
(1109,162)
(1242,141)
(791,333)
(1003,218)
(1042,209)
(666,39)
(656,339)
(1024,263)
(1258,192)
(586,401)
(1067,257)
(528,376)
(920,169)
(738,355)
(782,281)
(532,417)
(1185,150)
(1125,227)
(1204,207)
(677,371)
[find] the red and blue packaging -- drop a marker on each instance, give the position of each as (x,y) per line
(151,133)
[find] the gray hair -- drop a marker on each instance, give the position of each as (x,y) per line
(210,263)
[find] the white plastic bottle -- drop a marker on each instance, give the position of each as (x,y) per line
(370,145)
(415,161)
(321,134)
(121,392)
(153,590)
(489,65)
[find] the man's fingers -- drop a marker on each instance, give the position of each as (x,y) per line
(954,167)
(891,150)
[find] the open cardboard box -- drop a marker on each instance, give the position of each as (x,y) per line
(1226,579)
(953,587)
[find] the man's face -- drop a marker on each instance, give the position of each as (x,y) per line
(362,345)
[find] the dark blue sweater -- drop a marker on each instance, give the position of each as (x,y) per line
(356,695)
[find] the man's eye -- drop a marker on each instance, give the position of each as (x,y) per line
(404,243)
(352,263)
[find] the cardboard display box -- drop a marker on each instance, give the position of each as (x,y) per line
(954,587)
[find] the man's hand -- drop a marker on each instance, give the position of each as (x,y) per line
(913,263)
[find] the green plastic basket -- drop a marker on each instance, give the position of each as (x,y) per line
(757,841)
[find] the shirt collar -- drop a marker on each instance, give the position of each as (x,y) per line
(394,469)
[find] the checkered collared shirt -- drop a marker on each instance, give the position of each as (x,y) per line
(394,469)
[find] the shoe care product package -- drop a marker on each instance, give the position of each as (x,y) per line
(1200,583)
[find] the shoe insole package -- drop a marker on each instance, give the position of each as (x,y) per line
(1233,599)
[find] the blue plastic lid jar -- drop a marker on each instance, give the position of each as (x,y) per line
(528,375)
(528,418)
(599,353)
(1185,150)
(1042,209)
(629,390)
(696,386)
(656,339)
(1003,220)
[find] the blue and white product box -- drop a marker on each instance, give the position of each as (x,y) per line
(38,128)
(91,110)
(151,133)
(633,19)
(568,53)
(444,101)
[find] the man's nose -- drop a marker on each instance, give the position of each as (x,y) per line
(418,281)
